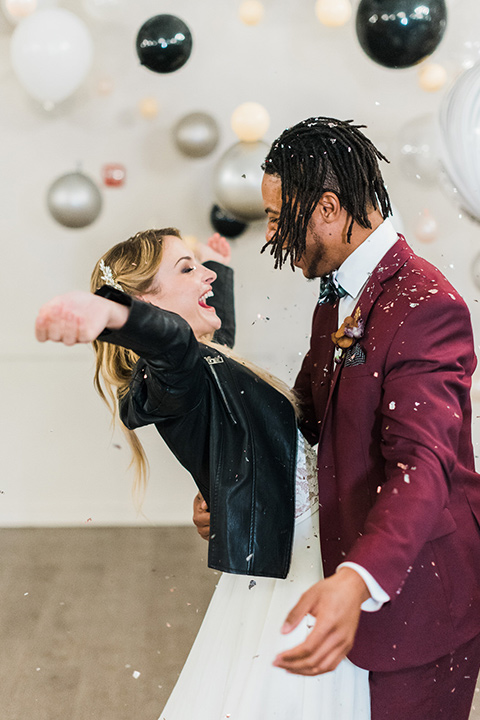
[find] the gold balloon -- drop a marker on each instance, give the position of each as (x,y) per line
(250,121)
(432,77)
(148,107)
(333,13)
(251,12)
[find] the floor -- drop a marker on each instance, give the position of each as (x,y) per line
(95,623)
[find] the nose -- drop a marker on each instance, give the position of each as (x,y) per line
(209,275)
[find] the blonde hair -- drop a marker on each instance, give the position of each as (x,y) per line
(134,264)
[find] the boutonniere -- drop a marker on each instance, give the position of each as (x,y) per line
(346,339)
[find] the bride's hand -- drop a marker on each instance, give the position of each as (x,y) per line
(78,317)
(216,248)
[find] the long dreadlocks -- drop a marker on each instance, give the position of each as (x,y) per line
(315,156)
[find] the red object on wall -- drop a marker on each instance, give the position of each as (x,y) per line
(113,174)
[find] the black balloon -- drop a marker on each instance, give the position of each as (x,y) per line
(164,43)
(400,33)
(226,224)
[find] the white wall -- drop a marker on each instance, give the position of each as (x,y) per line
(61,464)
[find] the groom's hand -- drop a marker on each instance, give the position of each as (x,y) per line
(335,604)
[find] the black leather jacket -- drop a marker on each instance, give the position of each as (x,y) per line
(231,430)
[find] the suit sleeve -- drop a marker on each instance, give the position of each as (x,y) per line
(223,302)
(425,435)
(169,378)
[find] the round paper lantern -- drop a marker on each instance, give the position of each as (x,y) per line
(164,43)
(418,144)
(251,12)
(148,107)
(432,77)
(196,134)
(250,121)
(426,227)
(460,139)
(333,13)
(51,54)
(400,33)
(74,200)
(238,180)
(226,224)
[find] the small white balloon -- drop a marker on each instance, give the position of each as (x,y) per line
(426,227)
(51,53)
(250,121)
(333,13)
(432,77)
(251,12)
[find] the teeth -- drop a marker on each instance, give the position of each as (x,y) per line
(207,295)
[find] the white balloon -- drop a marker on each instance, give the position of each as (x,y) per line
(418,146)
(460,136)
(51,53)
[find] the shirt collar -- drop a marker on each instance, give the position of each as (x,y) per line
(358,267)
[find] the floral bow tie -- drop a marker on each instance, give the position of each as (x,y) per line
(330,290)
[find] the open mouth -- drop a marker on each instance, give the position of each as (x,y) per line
(203,300)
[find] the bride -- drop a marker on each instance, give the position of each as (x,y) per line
(233,426)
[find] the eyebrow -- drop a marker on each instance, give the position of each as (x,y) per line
(185,257)
(270,210)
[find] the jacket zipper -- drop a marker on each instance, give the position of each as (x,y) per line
(216,360)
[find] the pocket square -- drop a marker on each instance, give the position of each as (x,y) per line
(355,355)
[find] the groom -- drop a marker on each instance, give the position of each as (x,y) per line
(384,390)
(387,399)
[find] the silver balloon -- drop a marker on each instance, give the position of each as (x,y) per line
(196,134)
(238,180)
(74,200)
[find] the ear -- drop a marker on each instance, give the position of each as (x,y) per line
(329,207)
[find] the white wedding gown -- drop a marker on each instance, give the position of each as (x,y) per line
(229,671)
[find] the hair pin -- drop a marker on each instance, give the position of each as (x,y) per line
(108,276)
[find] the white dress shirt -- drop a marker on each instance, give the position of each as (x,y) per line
(353,275)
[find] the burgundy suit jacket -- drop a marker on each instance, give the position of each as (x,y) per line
(398,490)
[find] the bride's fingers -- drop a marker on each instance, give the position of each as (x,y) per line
(70,333)
(41,328)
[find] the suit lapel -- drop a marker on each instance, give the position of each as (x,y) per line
(388,266)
